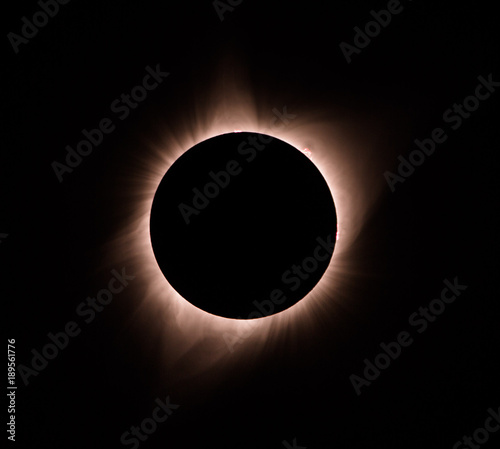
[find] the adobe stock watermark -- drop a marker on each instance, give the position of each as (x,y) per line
(88,310)
(218,181)
(481,435)
(453,116)
(122,107)
(30,28)
(221,7)
(137,434)
(293,279)
(294,444)
(392,350)
(363,38)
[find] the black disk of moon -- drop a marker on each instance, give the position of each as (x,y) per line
(243,225)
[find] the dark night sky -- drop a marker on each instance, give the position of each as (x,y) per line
(441,223)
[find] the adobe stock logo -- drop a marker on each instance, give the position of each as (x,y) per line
(363,38)
(481,435)
(137,434)
(30,28)
(421,319)
(455,117)
(221,7)
(248,151)
(122,107)
(318,260)
(59,341)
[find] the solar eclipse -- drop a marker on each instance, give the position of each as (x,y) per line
(240,225)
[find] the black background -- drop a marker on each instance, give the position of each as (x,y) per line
(441,223)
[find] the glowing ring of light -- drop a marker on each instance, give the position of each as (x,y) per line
(335,148)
